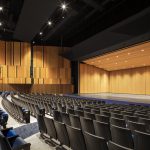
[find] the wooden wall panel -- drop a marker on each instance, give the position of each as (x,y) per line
(49,66)
(17,50)
(15,60)
(132,81)
(2,51)
(93,80)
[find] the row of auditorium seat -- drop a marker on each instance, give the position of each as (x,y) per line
(74,120)
(83,138)
(16,111)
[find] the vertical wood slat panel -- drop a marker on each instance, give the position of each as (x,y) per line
(17,54)
(2,53)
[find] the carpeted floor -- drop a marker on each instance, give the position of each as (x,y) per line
(27,130)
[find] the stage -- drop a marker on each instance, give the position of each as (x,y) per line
(120,98)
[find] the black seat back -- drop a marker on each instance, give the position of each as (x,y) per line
(118,122)
(70,111)
(102,118)
(61,133)
(94,142)
(137,126)
(41,124)
(76,138)
(89,115)
(57,115)
(51,131)
(121,136)
(102,129)
(141,140)
(114,146)
(79,113)
(87,125)
(75,121)
(4,144)
(65,118)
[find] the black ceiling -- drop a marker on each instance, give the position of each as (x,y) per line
(23,20)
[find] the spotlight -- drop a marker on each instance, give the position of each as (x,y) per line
(41,33)
(1,8)
(33,42)
(63,6)
(49,23)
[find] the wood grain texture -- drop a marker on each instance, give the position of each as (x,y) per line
(93,80)
(128,57)
(49,66)
(15,60)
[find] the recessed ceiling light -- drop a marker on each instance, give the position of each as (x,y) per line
(116,63)
(63,6)
(117,56)
(126,61)
(41,33)
(142,50)
(107,58)
(129,53)
(49,23)
(33,42)
(1,8)
(0,23)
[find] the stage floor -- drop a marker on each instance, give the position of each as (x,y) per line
(140,99)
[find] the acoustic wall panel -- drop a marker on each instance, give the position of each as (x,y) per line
(50,65)
(15,60)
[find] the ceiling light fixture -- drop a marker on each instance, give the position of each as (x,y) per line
(142,50)
(49,23)
(1,8)
(64,6)
(41,33)
(129,53)
(0,23)
(117,56)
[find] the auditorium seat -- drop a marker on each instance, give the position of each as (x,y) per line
(76,138)
(70,111)
(41,124)
(79,113)
(89,115)
(115,115)
(137,126)
(94,142)
(131,118)
(65,118)
(57,115)
(144,120)
(102,129)
(118,122)
(51,131)
(95,111)
(105,113)
(121,136)
(75,121)
(102,118)
(114,146)
(62,134)
(141,140)
(87,125)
